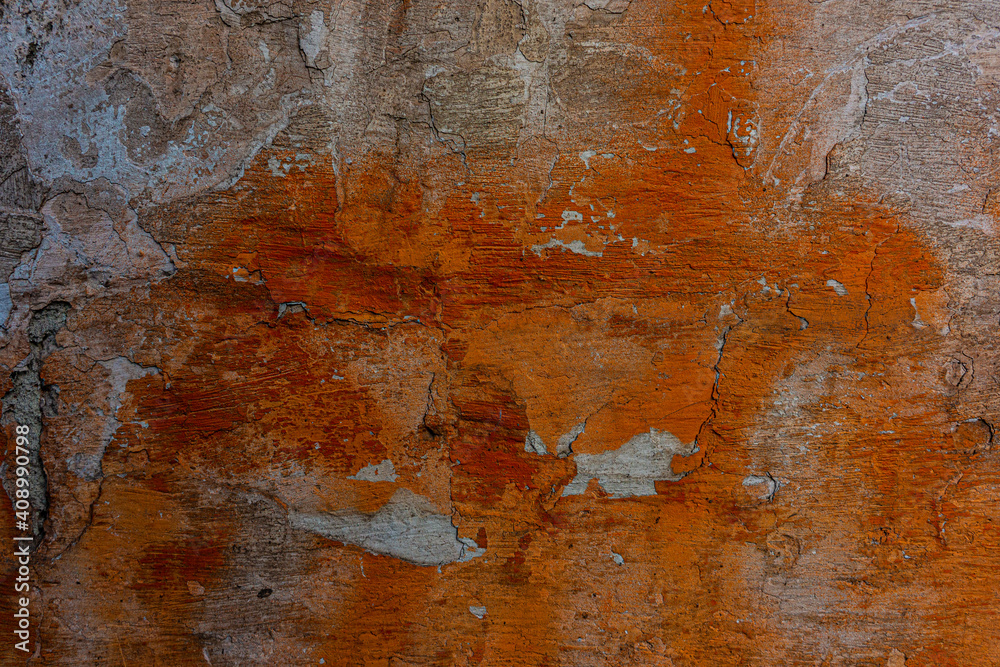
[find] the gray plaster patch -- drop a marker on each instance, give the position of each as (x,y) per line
(314,41)
(837,286)
(478,612)
(564,447)
(917,323)
(533,444)
(407,527)
(6,305)
(632,469)
(573,246)
(383,472)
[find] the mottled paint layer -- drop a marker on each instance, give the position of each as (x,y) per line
(505,333)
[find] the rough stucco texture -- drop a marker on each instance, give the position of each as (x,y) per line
(552,332)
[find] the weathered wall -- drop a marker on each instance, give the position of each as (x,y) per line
(398,332)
